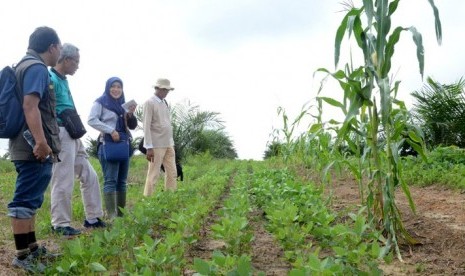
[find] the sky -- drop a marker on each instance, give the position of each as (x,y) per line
(241,58)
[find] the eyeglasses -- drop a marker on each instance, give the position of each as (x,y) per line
(74,59)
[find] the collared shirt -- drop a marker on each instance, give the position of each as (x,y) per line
(158,131)
(62,92)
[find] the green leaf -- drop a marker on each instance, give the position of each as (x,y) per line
(414,136)
(418,148)
(368,5)
(315,128)
(297,272)
(201,266)
(340,34)
(75,247)
(417,38)
(218,258)
(393,7)
(334,122)
(97,267)
(332,102)
(339,251)
(244,267)
(393,39)
(314,263)
(338,40)
(339,75)
(375,250)
(358,31)
(383,27)
(386,105)
(406,190)
(437,22)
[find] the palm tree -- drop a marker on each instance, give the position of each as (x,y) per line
(196,131)
(191,127)
(92,145)
(273,149)
(440,110)
(216,142)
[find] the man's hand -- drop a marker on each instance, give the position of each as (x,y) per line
(149,155)
(42,151)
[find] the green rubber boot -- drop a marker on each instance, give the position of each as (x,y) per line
(110,204)
(120,202)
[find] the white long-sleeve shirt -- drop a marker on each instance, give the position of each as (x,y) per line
(158,131)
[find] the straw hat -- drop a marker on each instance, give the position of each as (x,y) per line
(163,83)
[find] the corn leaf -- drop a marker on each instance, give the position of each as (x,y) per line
(437,22)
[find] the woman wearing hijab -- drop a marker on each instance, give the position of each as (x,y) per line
(110,118)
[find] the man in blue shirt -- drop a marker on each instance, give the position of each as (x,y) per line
(34,163)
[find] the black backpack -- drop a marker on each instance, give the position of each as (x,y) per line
(12,117)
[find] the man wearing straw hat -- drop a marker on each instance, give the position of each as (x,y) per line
(158,138)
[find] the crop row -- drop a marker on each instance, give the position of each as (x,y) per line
(155,233)
(153,236)
(316,240)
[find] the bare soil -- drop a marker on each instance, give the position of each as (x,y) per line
(267,256)
(439,226)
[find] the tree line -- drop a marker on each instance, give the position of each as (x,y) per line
(195,131)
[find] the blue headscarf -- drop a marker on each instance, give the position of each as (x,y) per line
(110,103)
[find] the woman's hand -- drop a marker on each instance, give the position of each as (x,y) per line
(115,136)
(132,109)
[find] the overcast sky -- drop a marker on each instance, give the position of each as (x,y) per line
(241,58)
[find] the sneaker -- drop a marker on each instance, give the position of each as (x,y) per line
(66,230)
(42,253)
(98,224)
(29,265)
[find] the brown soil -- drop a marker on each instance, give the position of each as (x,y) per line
(439,226)
(267,256)
(7,254)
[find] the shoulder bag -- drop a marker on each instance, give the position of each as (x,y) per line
(116,151)
(72,122)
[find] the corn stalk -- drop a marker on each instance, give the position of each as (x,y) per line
(387,128)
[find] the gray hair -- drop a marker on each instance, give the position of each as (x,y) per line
(68,51)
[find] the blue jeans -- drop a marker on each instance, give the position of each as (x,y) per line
(115,174)
(31,184)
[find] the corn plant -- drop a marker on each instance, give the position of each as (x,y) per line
(288,148)
(381,125)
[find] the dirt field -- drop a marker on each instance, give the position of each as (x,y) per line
(439,225)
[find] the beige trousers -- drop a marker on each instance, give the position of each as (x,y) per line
(74,164)
(166,157)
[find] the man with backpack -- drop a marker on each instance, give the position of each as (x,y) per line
(33,158)
(74,159)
